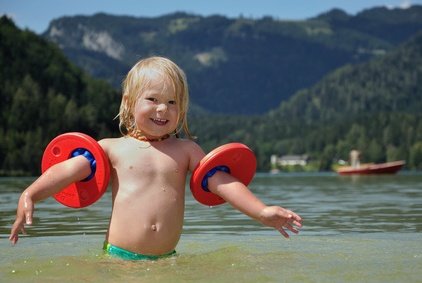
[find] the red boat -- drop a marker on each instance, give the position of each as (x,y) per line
(371,168)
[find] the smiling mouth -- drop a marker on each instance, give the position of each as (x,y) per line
(160,122)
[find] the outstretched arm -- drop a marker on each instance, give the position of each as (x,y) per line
(52,181)
(240,197)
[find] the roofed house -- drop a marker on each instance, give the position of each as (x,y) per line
(289,160)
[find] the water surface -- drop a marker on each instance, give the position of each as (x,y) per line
(364,228)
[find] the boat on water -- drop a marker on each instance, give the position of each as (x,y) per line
(372,168)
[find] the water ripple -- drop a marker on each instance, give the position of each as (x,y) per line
(329,204)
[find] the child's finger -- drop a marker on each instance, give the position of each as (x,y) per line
(282,232)
(14,233)
(292,228)
(28,217)
(29,210)
(297,223)
(295,216)
(13,239)
(295,220)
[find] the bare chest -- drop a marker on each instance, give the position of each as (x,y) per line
(149,161)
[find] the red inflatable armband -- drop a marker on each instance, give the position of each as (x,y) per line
(234,158)
(86,192)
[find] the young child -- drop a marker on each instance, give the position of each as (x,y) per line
(149,166)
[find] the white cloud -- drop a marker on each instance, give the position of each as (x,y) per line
(404,4)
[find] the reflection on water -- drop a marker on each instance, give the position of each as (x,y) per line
(354,227)
(343,204)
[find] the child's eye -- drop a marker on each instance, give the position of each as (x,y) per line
(151,99)
(172,102)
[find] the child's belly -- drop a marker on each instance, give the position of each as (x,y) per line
(151,226)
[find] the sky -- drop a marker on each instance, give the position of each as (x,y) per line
(37,14)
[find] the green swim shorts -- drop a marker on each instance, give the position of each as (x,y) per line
(128,255)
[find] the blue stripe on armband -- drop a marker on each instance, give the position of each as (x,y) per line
(211,173)
(92,162)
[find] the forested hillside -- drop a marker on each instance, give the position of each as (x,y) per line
(43,95)
(374,107)
(260,62)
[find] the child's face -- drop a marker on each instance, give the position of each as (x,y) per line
(156,112)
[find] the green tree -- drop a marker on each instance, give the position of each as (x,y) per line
(415,157)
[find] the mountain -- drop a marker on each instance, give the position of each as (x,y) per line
(390,83)
(391,25)
(372,106)
(235,66)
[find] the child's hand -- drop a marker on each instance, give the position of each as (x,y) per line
(280,219)
(23,216)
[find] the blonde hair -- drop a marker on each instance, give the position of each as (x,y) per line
(138,80)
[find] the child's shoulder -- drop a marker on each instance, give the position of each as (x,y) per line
(108,142)
(188,143)
(190,147)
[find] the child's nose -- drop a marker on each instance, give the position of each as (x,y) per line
(162,107)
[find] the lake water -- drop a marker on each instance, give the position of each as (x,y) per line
(356,229)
